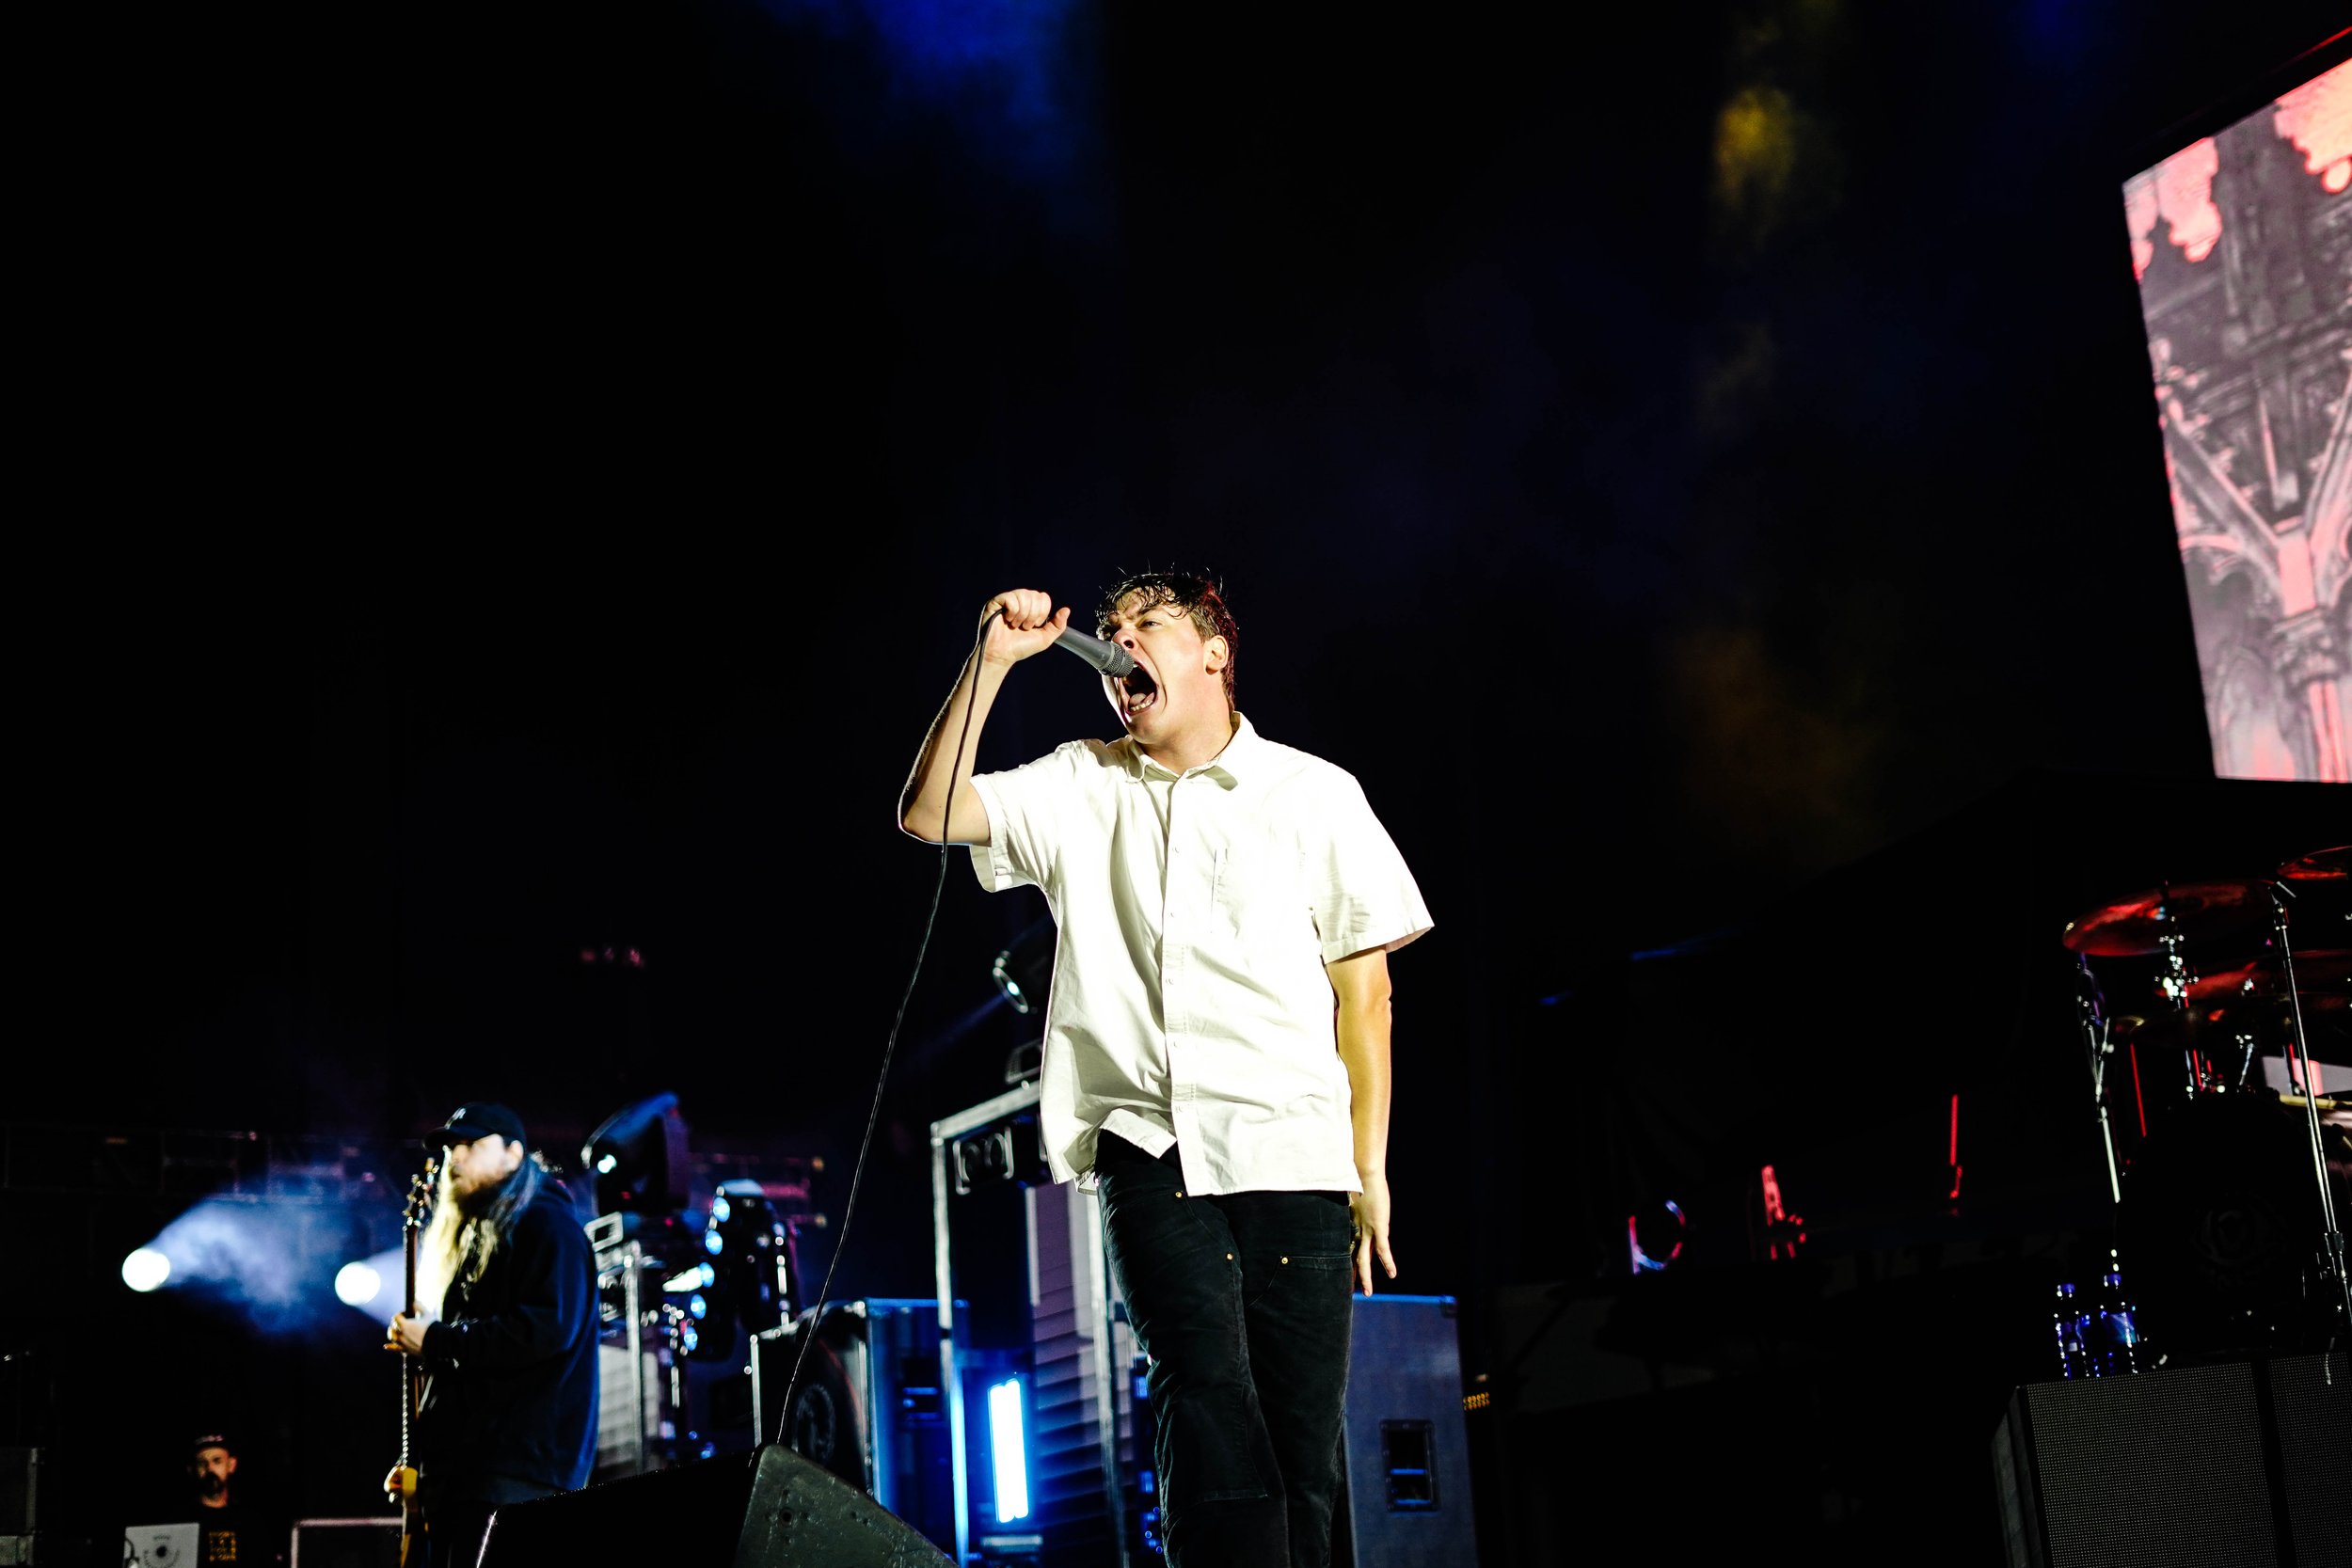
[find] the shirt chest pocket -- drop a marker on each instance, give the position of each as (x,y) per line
(1258,889)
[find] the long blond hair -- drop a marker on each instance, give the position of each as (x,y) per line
(458,1245)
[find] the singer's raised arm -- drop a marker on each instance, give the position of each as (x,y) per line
(1013,624)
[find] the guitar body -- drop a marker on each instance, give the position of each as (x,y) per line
(411,1519)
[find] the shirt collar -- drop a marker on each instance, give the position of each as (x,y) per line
(1240,755)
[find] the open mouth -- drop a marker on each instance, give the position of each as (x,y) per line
(1137,691)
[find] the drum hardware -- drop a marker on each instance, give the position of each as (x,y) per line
(2209,1218)
(2163,923)
(2281,894)
(2099,1042)
(2247,1050)
(2219,1225)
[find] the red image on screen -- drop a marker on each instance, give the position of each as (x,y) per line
(2242,242)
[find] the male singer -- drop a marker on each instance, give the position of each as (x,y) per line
(1216,1045)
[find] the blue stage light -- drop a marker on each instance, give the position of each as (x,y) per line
(696,1305)
(720,1209)
(1008,1452)
(713,1242)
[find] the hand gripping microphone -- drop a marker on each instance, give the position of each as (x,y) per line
(1109,658)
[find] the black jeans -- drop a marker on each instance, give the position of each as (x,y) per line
(1241,1302)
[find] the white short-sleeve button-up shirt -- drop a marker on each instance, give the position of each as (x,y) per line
(1195,912)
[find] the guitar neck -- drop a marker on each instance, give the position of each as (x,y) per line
(407,1371)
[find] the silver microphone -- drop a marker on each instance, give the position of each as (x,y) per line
(1109,658)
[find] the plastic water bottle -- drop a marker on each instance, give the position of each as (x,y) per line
(2066,1318)
(2112,1335)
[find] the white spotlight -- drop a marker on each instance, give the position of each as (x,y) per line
(357,1285)
(370,1285)
(145,1269)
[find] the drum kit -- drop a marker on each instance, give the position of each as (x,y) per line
(2228,1081)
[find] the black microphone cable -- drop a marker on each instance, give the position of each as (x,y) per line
(890,1047)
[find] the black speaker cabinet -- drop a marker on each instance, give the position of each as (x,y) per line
(20,1491)
(2237,1465)
(769,1508)
(1406,1458)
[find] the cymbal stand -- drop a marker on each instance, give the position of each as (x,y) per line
(2091,1016)
(2247,1045)
(2332,1243)
(2174,983)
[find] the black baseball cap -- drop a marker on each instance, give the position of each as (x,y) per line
(476,1118)
(210,1440)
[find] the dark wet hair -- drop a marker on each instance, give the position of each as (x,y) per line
(1201,597)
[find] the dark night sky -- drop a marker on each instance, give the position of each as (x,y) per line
(536,476)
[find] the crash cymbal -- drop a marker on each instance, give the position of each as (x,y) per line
(2319,974)
(2196,911)
(2320,866)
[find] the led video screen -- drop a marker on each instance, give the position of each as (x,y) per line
(2242,242)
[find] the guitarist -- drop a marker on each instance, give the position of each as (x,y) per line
(509,1355)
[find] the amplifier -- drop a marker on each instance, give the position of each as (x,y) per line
(869,1406)
(2236,1465)
(1407,1473)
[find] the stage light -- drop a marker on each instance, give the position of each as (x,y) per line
(754,1255)
(371,1285)
(145,1269)
(698,1305)
(639,1155)
(357,1285)
(1008,1452)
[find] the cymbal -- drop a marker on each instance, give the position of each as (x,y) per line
(2321,974)
(2320,866)
(2179,1028)
(2136,927)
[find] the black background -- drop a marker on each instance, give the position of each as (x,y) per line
(521,482)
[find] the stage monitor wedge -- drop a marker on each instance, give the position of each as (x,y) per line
(769,1508)
(2232,1464)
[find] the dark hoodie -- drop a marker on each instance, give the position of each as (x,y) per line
(511,1412)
